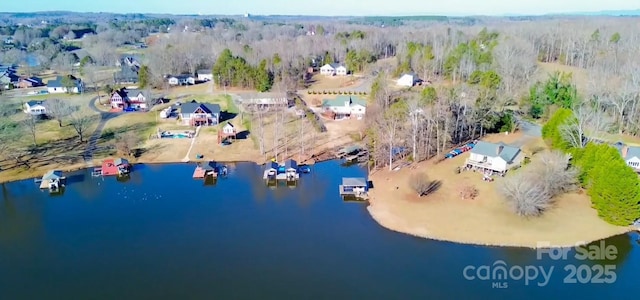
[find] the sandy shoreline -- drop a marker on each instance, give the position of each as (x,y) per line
(486,220)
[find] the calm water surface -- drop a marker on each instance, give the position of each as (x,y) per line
(163,235)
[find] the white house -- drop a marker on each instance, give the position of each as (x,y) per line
(125,98)
(408,79)
(35,108)
(631,155)
(197,114)
(345,107)
(266,100)
(333,69)
(56,85)
(204,75)
(181,80)
(498,157)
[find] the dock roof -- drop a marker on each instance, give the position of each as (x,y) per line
(291,164)
(120,161)
(53,174)
(354,181)
(208,166)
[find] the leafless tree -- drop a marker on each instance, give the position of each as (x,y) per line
(587,123)
(127,143)
(58,109)
(420,183)
(30,123)
(81,123)
(531,191)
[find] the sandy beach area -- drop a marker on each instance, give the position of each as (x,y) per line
(485,220)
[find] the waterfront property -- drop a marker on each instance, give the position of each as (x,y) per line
(494,157)
(333,69)
(199,114)
(355,187)
(266,101)
(345,107)
(52,180)
(113,167)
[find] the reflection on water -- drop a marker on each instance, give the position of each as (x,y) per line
(162,234)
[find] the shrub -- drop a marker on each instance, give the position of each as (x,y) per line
(420,183)
(469,192)
(308,92)
(531,191)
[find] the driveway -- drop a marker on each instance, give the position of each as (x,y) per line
(93,140)
(529,131)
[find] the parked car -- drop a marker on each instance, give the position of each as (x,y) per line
(129,109)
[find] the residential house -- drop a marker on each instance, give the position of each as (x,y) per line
(125,98)
(204,75)
(197,114)
(345,107)
(267,100)
(128,60)
(494,157)
(35,108)
(630,154)
(408,80)
(229,129)
(333,70)
(29,82)
(126,75)
(181,80)
(56,85)
(8,75)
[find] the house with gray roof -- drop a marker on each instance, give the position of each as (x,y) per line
(345,107)
(496,157)
(204,75)
(333,69)
(57,85)
(630,154)
(35,108)
(199,114)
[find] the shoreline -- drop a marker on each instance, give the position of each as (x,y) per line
(35,174)
(483,221)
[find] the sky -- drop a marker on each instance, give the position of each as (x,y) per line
(324,7)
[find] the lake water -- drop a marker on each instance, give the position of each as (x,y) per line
(164,235)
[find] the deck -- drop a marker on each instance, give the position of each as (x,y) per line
(202,173)
(45,184)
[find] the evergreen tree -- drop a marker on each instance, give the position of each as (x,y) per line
(143,76)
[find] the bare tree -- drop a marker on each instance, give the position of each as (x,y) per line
(127,143)
(30,123)
(58,109)
(416,116)
(80,123)
(420,183)
(587,123)
(531,191)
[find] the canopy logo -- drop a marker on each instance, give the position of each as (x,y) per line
(499,274)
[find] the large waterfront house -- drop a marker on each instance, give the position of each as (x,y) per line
(345,107)
(496,157)
(125,98)
(35,108)
(333,70)
(57,85)
(197,114)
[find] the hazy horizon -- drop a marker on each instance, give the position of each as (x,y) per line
(326,7)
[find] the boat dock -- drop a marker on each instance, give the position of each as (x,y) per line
(52,180)
(354,188)
(112,167)
(349,151)
(207,170)
(288,171)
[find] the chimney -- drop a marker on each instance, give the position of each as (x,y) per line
(625,149)
(500,148)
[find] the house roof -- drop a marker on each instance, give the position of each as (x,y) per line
(34,103)
(191,107)
(271,165)
(204,72)
(120,161)
(182,76)
(58,81)
(208,166)
(341,100)
(631,151)
(33,79)
(354,181)
(508,153)
(333,65)
(229,124)
(53,174)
